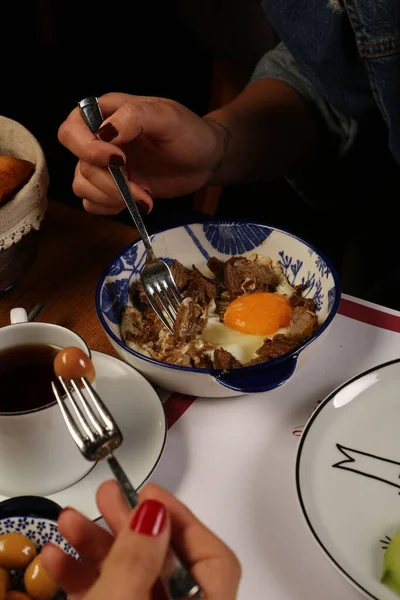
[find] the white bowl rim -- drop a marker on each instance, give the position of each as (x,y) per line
(216,372)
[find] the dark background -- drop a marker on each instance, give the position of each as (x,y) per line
(57,52)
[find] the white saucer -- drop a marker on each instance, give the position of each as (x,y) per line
(139,413)
(348,476)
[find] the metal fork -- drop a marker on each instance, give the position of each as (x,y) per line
(97,435)
(157,280)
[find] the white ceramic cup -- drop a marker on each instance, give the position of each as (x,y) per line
(37,454)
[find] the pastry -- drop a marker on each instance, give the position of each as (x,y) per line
(14,173)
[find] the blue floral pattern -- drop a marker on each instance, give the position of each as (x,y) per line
(125,262)
(318,295)
(114,297)
(322,267)
(41,525)
(117,267)
(40,531)
(22,524)
(331,298)
(37,529)
(291,266)
(235,238)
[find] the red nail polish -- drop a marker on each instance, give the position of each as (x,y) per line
(64,510)
(116,160)
(143,207)
(149,518)
(107,133)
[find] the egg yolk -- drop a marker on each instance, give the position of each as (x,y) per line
(73,363)
(262,313)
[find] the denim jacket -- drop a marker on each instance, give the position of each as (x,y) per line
(350,52)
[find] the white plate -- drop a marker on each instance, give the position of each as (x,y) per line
(140,415)
(348,475)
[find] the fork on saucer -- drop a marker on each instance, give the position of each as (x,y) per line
(97,436)
(156,277)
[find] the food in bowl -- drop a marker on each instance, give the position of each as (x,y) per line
(391,565)
(21,567)
(14,173)
(72,364)
(246,313)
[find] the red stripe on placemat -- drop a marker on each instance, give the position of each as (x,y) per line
(367,314)
(176,406)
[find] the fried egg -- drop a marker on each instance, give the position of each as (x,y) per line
(248,321)
(262,313)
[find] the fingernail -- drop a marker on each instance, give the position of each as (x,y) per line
(149,519)
(107,133)
(116,160)
(47,545)
(64,510)
(143,207)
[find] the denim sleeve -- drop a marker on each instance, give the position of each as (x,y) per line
(280,64)
(340,131)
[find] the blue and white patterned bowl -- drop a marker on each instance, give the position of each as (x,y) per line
(35,517)
(194,244)
(40,531)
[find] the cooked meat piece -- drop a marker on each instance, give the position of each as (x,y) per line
(275,347)
(131,324)
(201,289)
(243,276)
(303,323)
(138,295)
(165,343)
(139,327)
(202,361)
(224,360)
(296,299)
(255,361)
(181,274)
(217,267)
(178,357)
(198,358)
(310,305)
(190,321)
(221,304)
(151,326)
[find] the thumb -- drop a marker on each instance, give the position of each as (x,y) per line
(136,558)
(153,117)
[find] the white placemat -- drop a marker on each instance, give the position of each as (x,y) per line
(232,461)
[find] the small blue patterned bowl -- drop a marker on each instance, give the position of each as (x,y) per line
(35,517)
(195,244)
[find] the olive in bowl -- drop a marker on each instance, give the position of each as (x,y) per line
(24,530)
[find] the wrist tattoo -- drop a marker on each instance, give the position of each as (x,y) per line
(227,141)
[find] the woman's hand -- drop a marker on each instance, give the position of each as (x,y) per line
(167,151)
(127,567)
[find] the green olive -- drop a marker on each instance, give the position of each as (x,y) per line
(16,551)
(37,582)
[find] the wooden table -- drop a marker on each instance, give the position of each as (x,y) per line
(74,249)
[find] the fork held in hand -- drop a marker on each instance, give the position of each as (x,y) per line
(157,280)
(97,435)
